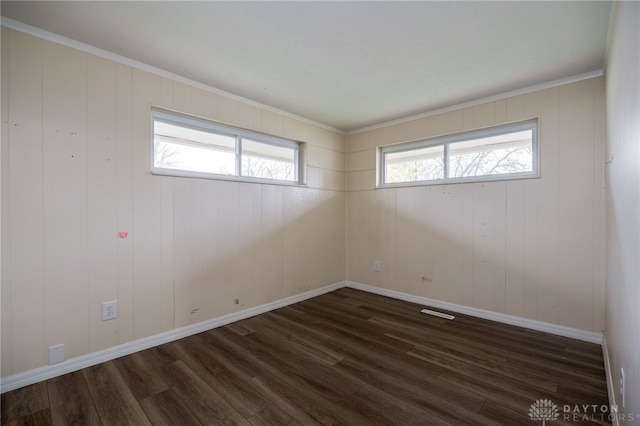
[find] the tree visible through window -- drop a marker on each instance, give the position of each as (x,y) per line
(415,165)
(506,151)
(267,161)
(495,155)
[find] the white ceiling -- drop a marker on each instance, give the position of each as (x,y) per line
(347,64)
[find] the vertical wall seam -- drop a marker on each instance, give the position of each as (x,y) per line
(42,134)
(88,212)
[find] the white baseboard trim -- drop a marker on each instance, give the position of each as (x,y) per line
(546,327)
(47,372)
(610,388)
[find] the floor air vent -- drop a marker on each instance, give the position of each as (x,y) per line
(437,314)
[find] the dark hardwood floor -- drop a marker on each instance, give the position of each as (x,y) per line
(347,357)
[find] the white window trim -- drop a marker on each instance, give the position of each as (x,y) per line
(446,140)
(195,123)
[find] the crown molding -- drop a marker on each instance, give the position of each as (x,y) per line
(480,101)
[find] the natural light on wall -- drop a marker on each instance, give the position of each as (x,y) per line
(187,146)
(502,152)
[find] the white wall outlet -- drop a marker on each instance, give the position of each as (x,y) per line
(109,310)
(376,265)
(622,387)
(56,354)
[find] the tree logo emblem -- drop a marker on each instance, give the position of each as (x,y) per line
(543,409)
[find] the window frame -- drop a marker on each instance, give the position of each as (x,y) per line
(453,138)
(238,133)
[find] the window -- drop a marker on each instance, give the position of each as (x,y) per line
(188,146)
(502,152)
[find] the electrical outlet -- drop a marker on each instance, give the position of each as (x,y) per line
(622,387)
(376,265)
(56,354)
(236,301)
(109,310)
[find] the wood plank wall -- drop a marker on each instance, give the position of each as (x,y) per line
(531,248)
(76,153)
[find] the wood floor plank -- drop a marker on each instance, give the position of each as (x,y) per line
(159,356)
(304,343)
(303,409)
(404,389)
(272,415)
(375,398)
(24,401)
(341,395)
(111,396)
(71,403)
(203,402)
(343,358)
(39,418)
(541,381)
(417,333)
(430,400)
(514,396)
(454,347)
(240,327)
(167,409)
(228,359)
(329,410)
(350,343)
(559,368)
(140,376)
(240,394)
(507,416)
(575,392)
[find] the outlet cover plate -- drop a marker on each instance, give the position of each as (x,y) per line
(109,310)
(56,354)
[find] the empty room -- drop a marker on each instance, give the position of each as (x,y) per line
(335,213)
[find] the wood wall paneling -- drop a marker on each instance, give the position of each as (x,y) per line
(454,249)
(599,199)
(102,200)
(531,235)
(548,204)
(515,246)
(183,256)
(24,211)
(168,253)
(65,198)
(147,216)
(482,246)
(5,271)
(576,212)
(499,247)
(272,243)
(230,260)
(124,167)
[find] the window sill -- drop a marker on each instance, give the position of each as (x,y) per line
(479,179)
(225,178)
